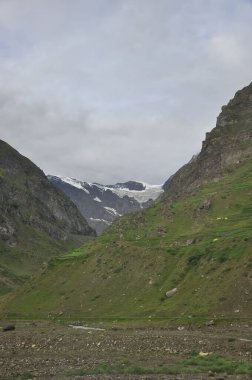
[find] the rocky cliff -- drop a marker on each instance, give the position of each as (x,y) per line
(36,219)
(227,145)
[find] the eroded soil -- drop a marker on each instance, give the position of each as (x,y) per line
(46,350)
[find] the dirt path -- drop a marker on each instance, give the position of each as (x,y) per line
(43,350)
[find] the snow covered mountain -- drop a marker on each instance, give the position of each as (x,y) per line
(102,204)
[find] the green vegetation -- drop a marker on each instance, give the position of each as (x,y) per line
(30,255)
(192,365)
(205,252)
(24,376)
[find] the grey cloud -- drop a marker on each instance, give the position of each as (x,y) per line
(110,90)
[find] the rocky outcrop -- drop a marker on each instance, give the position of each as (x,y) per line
(37,220)
(227,145)
(27,197)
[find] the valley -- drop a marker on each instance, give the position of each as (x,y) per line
(194,244)
(125,190)
(162,293)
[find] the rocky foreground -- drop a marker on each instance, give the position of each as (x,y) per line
(45,350)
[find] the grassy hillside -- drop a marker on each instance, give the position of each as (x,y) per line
(200,244)
(34,249)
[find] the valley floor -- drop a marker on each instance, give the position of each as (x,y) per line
(45,350)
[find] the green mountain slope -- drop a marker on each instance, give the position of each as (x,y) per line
(197,241)
(37,221)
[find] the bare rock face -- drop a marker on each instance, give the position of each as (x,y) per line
(227,145)
(28,197)
(37,220)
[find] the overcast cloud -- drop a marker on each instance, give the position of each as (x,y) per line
(112,90)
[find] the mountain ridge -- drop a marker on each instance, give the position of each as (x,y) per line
(102,204)
(234,127)
(36,219)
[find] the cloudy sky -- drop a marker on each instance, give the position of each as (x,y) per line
(112,90)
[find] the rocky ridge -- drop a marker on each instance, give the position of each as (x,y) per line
(102,204)
(32,213)
(226,146)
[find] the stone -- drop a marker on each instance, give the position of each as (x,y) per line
(9,328)
(171,292)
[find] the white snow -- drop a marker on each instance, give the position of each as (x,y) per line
(74,182)
(97,199)
(86,190)
(100,220)
(142,196)
(86,328)
(111,210)
(150,192)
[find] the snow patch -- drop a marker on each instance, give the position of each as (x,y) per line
(150,192)
(142,196)
(100,220)
(84,189)
(72,182)
(86,328)
(112,210)
(75,183)
(97,199)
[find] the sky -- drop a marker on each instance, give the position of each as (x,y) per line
(114,90)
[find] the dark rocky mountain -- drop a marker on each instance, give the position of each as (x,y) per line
(102,204)
(36,219)
(130,185)
(227,145)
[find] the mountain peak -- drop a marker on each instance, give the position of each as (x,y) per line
(227,145)
(102,204)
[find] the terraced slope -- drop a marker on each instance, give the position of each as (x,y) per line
(196,243)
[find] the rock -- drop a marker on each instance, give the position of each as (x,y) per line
(9,328)
(204,354)
(210,323)
(190,241)
(30,202)
(171,292)
(211,373)
(206,205)
(215,158)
